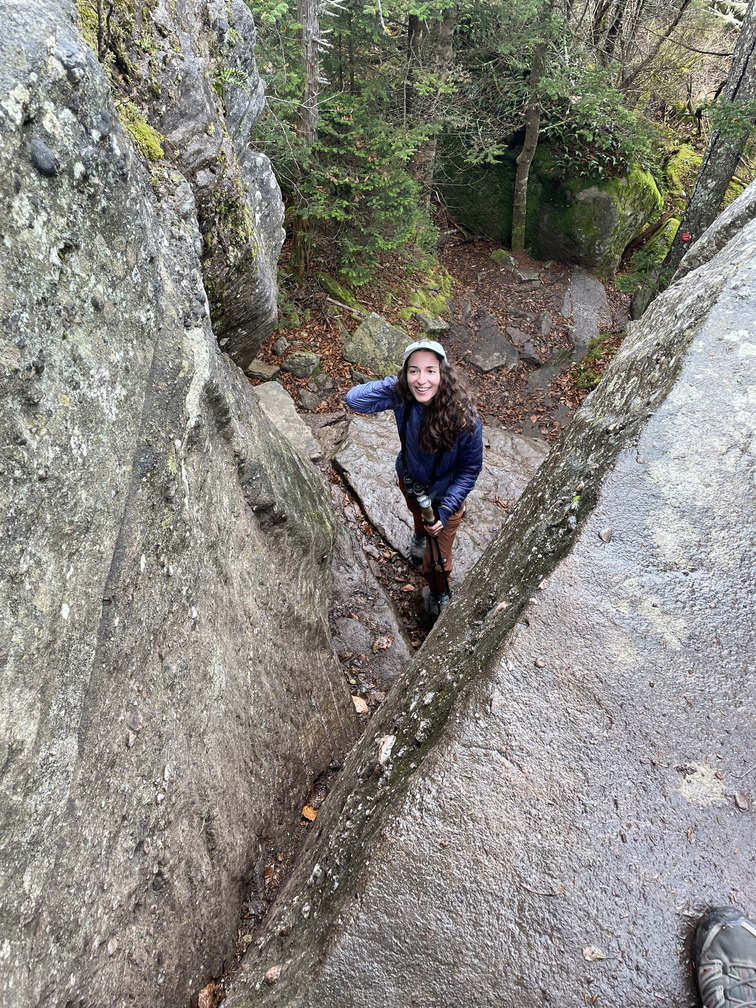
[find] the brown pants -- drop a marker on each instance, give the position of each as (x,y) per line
(445,539)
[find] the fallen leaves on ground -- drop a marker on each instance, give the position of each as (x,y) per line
(210,996)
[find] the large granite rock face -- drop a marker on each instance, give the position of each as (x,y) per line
(191,65)
(169,690)
(559,785)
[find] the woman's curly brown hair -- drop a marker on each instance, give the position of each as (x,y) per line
(449,412)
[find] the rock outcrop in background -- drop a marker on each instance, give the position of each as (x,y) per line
(561,782)
(586,221)
(170,691)
(189,66)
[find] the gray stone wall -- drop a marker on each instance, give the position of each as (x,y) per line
(191,66)
(169,689)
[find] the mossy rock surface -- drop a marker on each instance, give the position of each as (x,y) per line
(680,174)
(339,291)
(481,197)
(656,249)
(590,222)
(377,346)
(586,221)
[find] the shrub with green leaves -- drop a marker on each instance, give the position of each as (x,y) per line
(361,190)
(586,116)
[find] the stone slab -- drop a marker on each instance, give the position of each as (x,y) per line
(280,409)
(261,371)
(589,309)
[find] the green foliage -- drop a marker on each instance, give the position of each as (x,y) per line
(354,182)
(587,373)
(224,76)
(734,119)
(87,22)
(645,268)
(585,115)
(360,188)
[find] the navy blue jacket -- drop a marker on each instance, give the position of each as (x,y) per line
(458,468)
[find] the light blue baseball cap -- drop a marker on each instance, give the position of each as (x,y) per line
(424,344)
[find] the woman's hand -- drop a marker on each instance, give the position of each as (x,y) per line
(435,529)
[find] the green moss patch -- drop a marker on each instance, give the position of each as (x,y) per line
(144,136)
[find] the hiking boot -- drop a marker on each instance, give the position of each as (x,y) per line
(417,549)
(726,958)
(437,604)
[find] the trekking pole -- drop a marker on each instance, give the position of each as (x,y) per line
(438,561)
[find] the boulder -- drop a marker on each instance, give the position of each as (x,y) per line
(377,346)
(258,370)
(556,789)
(586,221)
(543,323)
(301,363)
(504,259)
(308,400)
(433,325)
(169,692)
(279,407)
(490,347)
(366,460)
(590,223)
(190,68)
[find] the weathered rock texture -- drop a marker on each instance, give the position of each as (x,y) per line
(190,65)
(170,690)
(557,768)
(376,345)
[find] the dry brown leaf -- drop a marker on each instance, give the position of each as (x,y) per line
(741,800)
(359,705)
(309,813)
(408,588)
(206,997)
(382,643)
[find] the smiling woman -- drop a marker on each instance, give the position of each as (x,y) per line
(442,450)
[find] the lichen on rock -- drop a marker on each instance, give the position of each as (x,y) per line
(187,85)
(170,691)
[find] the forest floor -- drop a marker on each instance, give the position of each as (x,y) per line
(311,321)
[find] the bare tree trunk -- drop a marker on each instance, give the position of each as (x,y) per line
(720,160)
(307,12)
(628,78)
(426,158)
(525,157)
(415,32)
